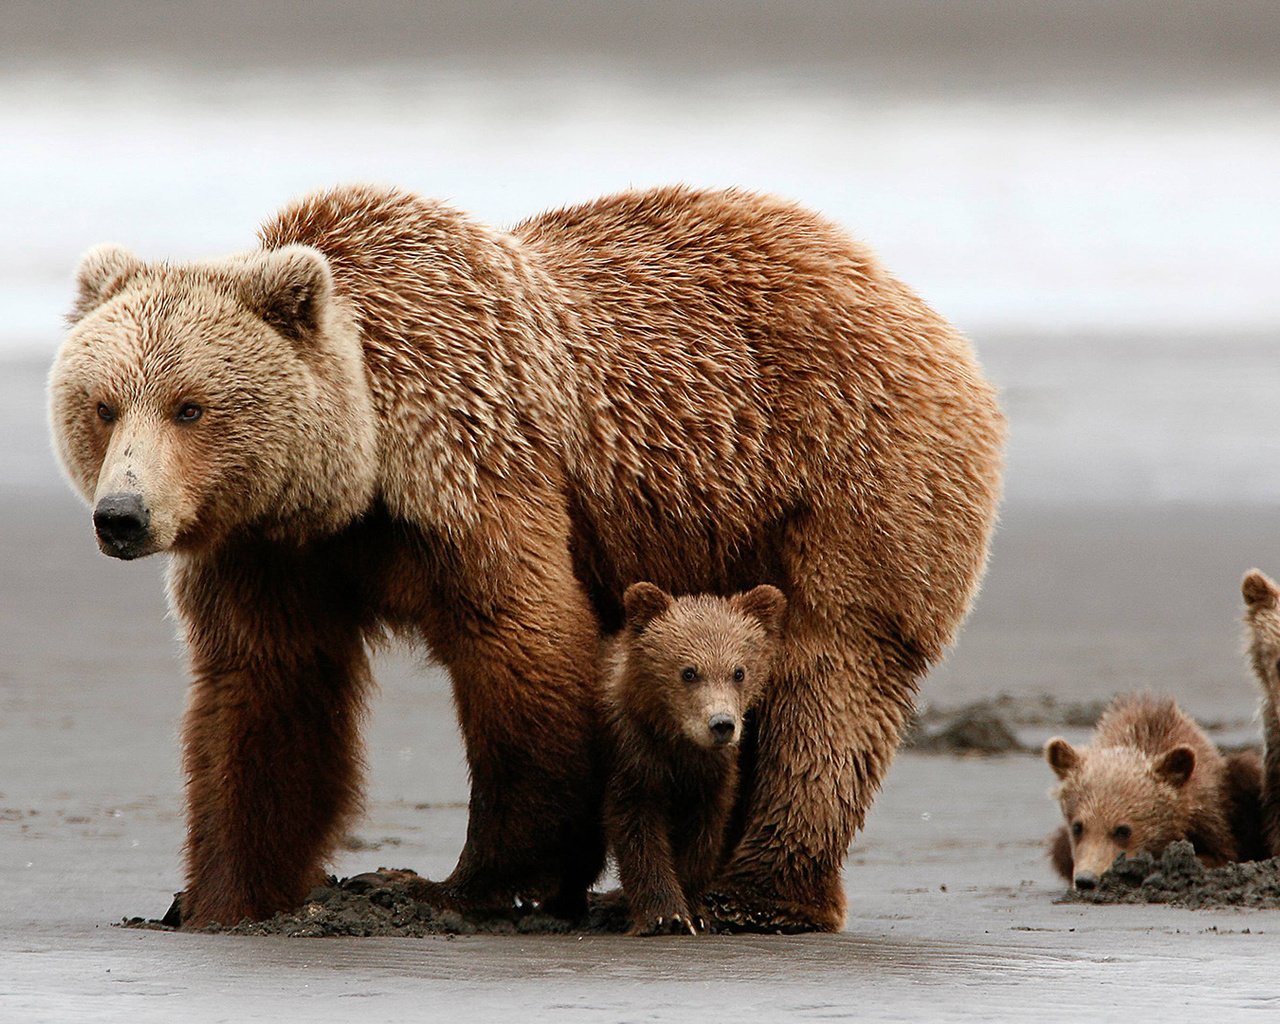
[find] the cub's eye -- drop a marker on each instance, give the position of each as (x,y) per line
(739,674)
(189,413)
(689,674)
(1077,828)
(106,413)
(1122,833)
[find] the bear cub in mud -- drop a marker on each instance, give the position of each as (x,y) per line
(679,679)
(1150,777)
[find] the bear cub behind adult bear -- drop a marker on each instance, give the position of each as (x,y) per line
(1262,622)
(679,679)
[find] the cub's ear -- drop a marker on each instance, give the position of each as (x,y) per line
(765,603)
(1175,766)
(643,602)
(1063,758)
(103,271)
(1259,591)
(288,288)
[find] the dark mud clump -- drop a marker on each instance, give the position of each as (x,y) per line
(1177,878)
(387,903)
(991,726)
(970,731)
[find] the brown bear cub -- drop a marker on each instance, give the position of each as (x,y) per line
(679,678)
(1262,619)
(1150,777)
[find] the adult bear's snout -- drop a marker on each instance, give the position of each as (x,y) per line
(123,524)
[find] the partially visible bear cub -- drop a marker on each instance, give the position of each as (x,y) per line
(1262,619)
(679,679)
(1151,777)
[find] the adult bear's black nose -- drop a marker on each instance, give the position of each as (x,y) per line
(122,522)
(722,727)
(1086,880)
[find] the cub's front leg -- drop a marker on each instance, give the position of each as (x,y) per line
(641,839)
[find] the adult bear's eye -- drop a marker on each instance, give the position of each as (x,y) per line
(106,413)
(739,674)
(189,412)
(689,674)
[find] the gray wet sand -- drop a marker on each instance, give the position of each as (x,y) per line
(952,903)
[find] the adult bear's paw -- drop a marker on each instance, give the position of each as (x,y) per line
(741,910)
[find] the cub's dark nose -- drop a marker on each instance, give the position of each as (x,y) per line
(121,522)
(1086,880)
(722,728)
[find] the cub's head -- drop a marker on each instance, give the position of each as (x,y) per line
(1262,624)
(695,665)
(192,400)
(1119,800)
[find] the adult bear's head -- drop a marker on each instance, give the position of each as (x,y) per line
(190,400)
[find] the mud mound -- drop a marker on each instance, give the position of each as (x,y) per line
(990,726)
(377,905)
(973,730)
(1177,878)
(1005,724)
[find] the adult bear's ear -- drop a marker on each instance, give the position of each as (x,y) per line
(764,603)
(1258,590)
(1063,758)
(643,602)
(288,288)
(1175,766)
(103,271)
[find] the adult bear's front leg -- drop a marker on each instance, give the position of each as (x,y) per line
(520,641)
(271,744)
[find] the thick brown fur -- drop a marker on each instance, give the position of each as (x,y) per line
(1262,622)
(680,669)
(1149,777)
(478,438)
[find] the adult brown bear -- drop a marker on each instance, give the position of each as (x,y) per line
(391,417)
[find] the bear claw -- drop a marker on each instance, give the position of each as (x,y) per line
(672,924)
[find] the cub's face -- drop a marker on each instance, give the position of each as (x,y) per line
(189,400)
(700,663)
(1262,619)
(1118,800)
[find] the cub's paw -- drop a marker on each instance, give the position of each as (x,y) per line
(665,924)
